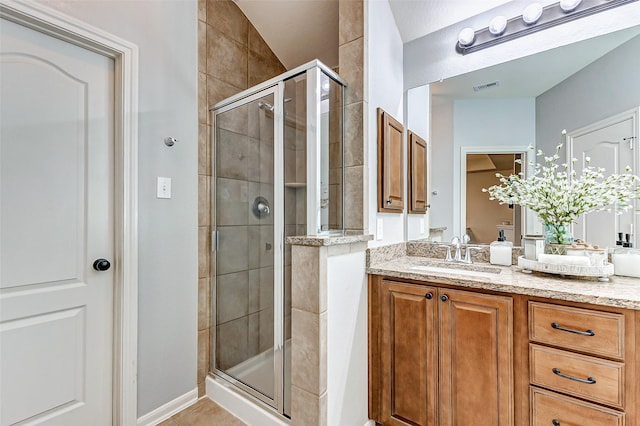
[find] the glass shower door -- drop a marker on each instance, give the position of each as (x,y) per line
(247,223)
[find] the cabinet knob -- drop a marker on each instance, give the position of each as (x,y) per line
(429,295)
(555,422)
(444,297)
(389,201)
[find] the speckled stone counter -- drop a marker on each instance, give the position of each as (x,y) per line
(327,241)
(399,261)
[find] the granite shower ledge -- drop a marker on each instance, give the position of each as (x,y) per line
(327,241)
(621,292)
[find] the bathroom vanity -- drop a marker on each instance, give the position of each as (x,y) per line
(486,345)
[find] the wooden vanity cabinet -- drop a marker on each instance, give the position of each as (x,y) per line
(449,356)
(439,356)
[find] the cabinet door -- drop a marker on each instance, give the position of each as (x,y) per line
(417,174)
(390,164)
(476,359)
(408,354)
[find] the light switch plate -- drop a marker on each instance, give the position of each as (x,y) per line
(379,229)
(164,187)
(422,226)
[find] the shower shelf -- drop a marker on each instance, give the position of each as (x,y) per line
(295,184)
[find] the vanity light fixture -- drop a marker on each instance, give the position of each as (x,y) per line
(466,37)
(534,18)
(532,13)
(498,25)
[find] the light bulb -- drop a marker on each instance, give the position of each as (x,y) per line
(532,13)
(466,37)
(497,25)
(569,5)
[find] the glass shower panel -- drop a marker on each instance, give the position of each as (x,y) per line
(245,256)
(295,198)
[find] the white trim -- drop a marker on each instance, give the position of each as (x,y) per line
(527,222)
(225,395)
(167,410)
(125,56)
(314,144)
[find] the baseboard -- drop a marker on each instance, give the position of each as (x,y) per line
(162,413)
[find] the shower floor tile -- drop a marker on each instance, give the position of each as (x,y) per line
(203,412)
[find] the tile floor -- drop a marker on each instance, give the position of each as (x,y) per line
(203,413)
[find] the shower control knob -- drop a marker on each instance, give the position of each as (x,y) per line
(101,265)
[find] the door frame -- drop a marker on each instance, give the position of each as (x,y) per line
(125,55)
(527,168)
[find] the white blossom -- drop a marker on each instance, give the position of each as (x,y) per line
(560,197)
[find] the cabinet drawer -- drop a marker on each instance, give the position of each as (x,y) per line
(586,330)
(595,379)
(548,408)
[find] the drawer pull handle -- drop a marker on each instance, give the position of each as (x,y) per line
(588,380)
(555,422)
(570,330)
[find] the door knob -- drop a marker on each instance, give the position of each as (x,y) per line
(101,265)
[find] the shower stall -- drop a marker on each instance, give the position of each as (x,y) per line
(277,156)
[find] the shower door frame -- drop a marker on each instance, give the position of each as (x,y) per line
(277,90)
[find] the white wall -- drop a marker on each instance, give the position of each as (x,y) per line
(441,169)
(486,123)
(166,35)
(604,88)
(384,57)
(418,122)
(347,377)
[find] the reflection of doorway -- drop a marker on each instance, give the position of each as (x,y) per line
(483,218)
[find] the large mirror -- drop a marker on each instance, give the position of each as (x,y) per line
(479,119)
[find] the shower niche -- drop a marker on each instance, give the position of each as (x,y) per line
(277,156)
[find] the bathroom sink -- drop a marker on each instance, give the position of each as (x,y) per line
(471,270)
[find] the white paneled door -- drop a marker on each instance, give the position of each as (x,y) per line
(610,144)
(56,221)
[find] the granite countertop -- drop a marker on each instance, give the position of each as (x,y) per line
(622,292)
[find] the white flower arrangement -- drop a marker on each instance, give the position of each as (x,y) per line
(558,196)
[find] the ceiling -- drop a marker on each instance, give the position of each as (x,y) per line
(297,31)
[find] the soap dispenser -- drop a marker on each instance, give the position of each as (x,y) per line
(500,251)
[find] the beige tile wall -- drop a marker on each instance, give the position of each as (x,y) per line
(352,54)
(232,56)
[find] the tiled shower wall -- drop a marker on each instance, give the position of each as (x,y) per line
(232,56)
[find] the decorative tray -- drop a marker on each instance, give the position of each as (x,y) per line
(600,272)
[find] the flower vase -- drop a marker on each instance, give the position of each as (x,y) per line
(558,233)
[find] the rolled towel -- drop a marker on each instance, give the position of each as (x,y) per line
(558,259)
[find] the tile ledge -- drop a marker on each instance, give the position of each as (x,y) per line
(316,241)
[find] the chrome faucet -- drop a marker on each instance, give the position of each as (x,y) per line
(455,241)
(457,257)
